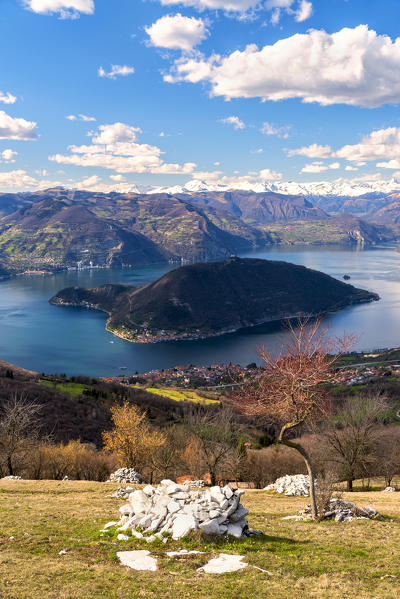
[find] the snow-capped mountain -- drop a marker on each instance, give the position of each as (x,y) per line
(338,188)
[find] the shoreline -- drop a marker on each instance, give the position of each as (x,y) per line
(134,336)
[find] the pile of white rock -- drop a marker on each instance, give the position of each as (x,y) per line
(177,510)
(343,511)
(195,484)
(295,485)
(122,493)
(126,475)
(12,478)
(389,490)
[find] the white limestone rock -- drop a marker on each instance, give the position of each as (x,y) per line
(183,524)
(210,527)
(224,563)
(138,560)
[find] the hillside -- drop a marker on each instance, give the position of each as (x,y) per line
(111,230)
(204,300)
(60,228)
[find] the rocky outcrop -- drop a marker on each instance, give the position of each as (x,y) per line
(176,510)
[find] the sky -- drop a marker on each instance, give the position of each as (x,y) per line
(102,95)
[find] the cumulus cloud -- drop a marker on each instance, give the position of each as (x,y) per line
(16,128)
(382,144)
(117,70)
(304,11)
(351,168)
(7,156)
(319,167)
(116,147)
(118,178)
(312,151)
(177,32)
(7,98)
(354,66)
(394,164)
(65,8)
(80,117)
(234,121)
(270,129)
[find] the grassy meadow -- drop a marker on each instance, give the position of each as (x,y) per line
(307,560)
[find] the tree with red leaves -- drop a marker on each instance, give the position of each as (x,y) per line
(289,391)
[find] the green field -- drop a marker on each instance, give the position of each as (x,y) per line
(329,560)
(72,389)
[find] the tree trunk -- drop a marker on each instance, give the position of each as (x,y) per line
(349,484)
(10,466)
(310,471)
(213,478)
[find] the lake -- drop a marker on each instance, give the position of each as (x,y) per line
(41,337)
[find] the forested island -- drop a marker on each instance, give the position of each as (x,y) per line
(208,299)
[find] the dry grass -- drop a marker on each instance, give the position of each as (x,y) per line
(309,561)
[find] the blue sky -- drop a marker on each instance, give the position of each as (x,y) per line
(175,92)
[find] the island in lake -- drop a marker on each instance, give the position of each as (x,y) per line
(208,299)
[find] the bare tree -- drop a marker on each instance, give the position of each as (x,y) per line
(387,453)
(216,436)
(289,390)
(353,435)
(19,429)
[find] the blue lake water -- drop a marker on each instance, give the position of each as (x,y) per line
(38,336)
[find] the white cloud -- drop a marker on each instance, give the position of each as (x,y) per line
(16,179)
(226,5)
(351,168)
(117,70)
(319,167)
(80,117)
(234,121)
(115,147)
(312,151)
(304,11)
(118,178)
(7,98)
(354,66)
(237,181)
(177,32)
(7,156)
(299,8)
(382,144)
(16,128)
(65,8)
(394,164)
(258,151)
(269,175)
(270,129)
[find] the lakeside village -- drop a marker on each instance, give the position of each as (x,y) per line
(365,369)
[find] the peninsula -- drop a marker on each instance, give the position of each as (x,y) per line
(208,299)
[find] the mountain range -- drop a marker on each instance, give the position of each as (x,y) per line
(60,228)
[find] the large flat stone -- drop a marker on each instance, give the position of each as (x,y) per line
(138,560)
(224,563)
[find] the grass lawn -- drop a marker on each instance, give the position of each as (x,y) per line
(307,560)
(181,395)
(73,389)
